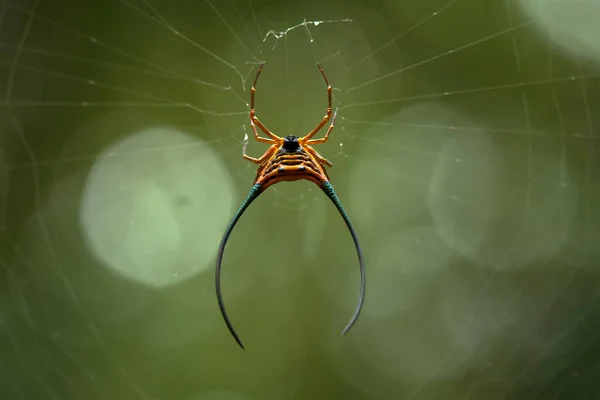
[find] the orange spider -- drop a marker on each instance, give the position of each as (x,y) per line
(289,158)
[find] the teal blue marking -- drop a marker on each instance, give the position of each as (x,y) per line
(252,195)
(328,189)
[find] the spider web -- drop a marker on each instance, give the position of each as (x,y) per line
(465,151)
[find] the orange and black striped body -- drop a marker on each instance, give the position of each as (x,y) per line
(291,162)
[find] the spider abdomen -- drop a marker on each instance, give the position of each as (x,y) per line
(290,166)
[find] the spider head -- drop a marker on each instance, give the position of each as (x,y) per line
(290,143)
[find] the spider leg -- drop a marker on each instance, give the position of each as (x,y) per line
(327,116)
(326,137)
(319,157)
(254,119)
(262,158)
(260,138)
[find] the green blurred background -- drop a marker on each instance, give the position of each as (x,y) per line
(465,151)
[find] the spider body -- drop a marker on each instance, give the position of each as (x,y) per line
(289,158)
(291,162)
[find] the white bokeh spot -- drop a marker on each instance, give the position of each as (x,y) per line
(141,214)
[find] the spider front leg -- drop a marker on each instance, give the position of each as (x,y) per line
(327,116)
(254,119)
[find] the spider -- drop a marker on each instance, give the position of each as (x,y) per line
(289,158)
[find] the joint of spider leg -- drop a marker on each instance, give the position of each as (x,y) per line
(290,143)
(334,116)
